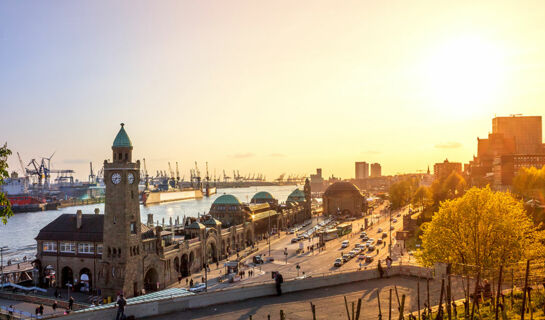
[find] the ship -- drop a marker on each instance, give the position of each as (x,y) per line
(168,190)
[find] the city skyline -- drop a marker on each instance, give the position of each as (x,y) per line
(247,86)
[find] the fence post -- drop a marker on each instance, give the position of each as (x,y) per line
(499,292)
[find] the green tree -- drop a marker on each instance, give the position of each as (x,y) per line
(5,206)
(529,183)
(482,228)
(423,197)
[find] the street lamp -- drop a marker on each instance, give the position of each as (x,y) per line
(390,245)
(269,237)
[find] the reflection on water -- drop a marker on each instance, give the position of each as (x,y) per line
(18,235)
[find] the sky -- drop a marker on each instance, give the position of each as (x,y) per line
(266,87)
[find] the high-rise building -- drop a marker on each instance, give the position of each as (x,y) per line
(317,181)
(362,170)
(443,169)
(376,170)
(524,130)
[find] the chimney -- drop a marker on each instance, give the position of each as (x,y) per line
(97,210)
(79,218)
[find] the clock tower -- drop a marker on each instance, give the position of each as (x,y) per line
(122,241)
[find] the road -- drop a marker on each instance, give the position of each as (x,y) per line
(311,263)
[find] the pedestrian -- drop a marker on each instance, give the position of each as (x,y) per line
(186,281)
(191,283)
(41,309)
(202,279)
(71,303)
(54,306)
(179,279)
(217,265)
(278,279)
(121,302)
(37,311)
(380,270)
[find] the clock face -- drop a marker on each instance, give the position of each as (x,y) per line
(130,177)
(116,178)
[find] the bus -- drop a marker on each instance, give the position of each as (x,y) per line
(344,228)
(330,234)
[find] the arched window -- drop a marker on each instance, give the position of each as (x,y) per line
(126,156)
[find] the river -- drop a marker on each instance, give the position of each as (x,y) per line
(19,233)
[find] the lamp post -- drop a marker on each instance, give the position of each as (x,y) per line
(390,245)
(2,264)
(205,262)
(269,237)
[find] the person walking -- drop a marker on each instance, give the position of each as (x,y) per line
(54,306)
(191,283)
(41,309)
(380,270)
(278,279)
(71,303)
(121,303)
(179,279)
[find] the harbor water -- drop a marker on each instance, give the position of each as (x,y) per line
(19,233)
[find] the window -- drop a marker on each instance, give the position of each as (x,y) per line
(86,248)
(69,247)
(99,248)
(50,246)
(133,227)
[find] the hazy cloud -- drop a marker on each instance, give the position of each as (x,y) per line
(277,155)
(448,145)
(243,155)
(75,161)
(371,152)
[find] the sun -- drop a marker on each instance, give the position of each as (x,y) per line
(464,75)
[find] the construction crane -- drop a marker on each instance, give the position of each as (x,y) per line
(170,171)
(225,177)
(207,176)
(197,175)
(91,174)
(25,174)
(177,172)
(146,176)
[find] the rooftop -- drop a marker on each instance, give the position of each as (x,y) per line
(227,199)
(122,139)
(64,228)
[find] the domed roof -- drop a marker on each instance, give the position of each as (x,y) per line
(226,199)
(341,186)
(212,222)
(122,139)
(196,225)
(297,196)
(262,195)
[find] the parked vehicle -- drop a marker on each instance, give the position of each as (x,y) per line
(295,240)
(258,259)
(338,262)
(198,287)
(379,230)
(379,241)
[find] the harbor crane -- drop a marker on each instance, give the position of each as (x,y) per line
(25,173)
(177,172)
(91,174)
(146,176)
(226,178)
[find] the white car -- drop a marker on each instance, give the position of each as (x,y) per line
(345,244)
(198,287)
(379,230)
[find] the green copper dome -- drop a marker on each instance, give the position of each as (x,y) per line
(296,196)
(262,195)
(122,139)
(227,199)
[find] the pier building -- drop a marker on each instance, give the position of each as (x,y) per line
(344,198)
(115,252)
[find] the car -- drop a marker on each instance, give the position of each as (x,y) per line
(338,262)
(198,287)
(361,257)
(357,245)
(399,215)
(371,241)
(258,259)
(371,248)
(368,259)
(363,235)
(345,258)
(384,235)
(295,240)
(379,241)
(345,244)
(392,228)
(379,230)
(395,220)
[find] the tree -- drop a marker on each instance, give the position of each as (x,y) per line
(402,191)
(529,183)
(482,228)
(423,197)
(5,206)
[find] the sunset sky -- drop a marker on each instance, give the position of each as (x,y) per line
(266,86)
